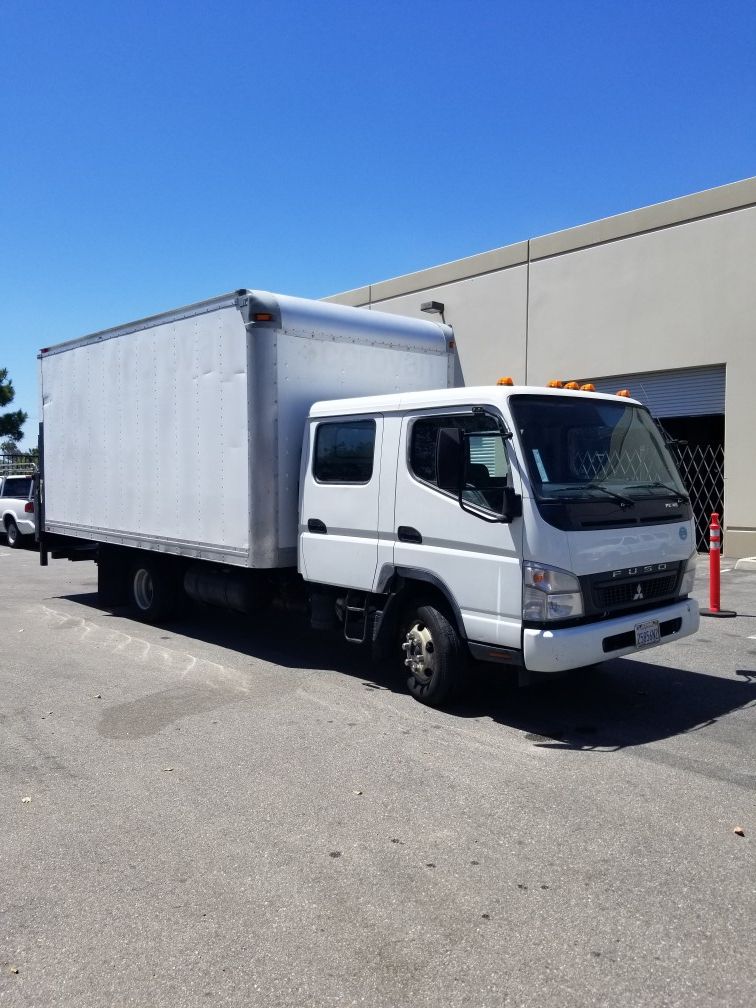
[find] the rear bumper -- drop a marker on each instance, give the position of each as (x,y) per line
(575,647)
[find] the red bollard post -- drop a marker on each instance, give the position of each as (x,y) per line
(715,553)
(715,557)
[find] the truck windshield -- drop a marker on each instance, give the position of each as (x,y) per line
(577,447)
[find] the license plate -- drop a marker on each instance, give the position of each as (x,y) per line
(647,634)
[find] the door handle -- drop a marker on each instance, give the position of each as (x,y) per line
(316,525)
(405,533)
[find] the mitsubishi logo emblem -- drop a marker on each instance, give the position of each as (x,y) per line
(638,593)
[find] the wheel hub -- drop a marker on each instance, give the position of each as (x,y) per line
(144,590)
(420,652)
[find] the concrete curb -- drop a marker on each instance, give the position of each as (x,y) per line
(746,564)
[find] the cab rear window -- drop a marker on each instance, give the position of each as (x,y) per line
(344,452)
(17,486)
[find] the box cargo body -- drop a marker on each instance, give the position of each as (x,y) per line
(182,432)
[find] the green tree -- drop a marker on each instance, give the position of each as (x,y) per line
(12,422)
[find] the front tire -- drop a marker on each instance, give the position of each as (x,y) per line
(433,654)
(154,594)
(15,539)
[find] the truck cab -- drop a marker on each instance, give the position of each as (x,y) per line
(543,528)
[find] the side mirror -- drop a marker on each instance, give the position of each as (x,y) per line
(487,496)
(512,505)
(449,459)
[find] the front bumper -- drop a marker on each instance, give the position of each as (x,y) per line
(574,647)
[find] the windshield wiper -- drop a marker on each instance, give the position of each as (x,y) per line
(663,486)
(624,501)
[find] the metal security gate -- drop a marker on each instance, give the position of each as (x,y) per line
(702,470)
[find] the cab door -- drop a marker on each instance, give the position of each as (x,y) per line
(478,561)
(341,474)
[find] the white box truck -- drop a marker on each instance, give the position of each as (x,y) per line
(210,452)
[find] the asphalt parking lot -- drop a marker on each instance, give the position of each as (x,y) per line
(211,814)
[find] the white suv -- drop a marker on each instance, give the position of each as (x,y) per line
(17,508)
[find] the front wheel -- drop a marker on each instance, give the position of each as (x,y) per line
(433,654)
(14,536)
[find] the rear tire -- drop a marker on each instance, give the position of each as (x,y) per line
(15,539)
(154,591)
(434,655)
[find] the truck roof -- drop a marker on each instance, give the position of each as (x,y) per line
(280,311)
(438,398)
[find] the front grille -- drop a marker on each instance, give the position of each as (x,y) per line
(635,592)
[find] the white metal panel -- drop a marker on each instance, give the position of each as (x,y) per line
(607,549)
(347,554)
(361,325)
(163,318)
(478,561)
(146,437)
(494,395)
(312,369)
(148,440)
(675,393)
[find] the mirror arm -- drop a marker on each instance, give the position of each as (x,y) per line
(502,428)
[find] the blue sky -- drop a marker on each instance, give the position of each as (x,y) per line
(158,153)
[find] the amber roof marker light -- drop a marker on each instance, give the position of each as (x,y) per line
(505,381)
(555,383)
(624,393)
(573,385)
(589,387)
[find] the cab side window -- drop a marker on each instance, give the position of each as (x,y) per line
(487,465)
(344,451)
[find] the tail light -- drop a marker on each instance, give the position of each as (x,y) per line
(29,507)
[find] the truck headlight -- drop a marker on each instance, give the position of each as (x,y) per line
(549,594)
(689,574)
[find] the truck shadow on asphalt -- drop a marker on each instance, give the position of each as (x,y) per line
(626,702)
(623,703)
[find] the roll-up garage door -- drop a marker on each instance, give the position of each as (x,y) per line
(684,392)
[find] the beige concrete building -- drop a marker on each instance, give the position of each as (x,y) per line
(661,300)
